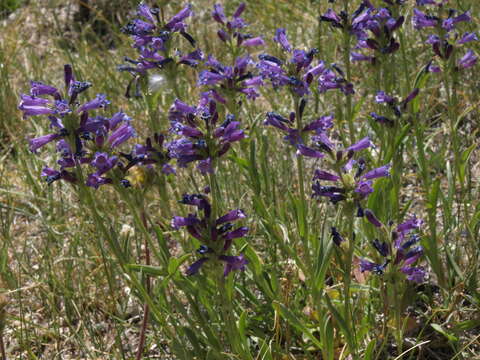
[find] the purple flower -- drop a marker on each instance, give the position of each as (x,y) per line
(99,102)
(410,224)
(281,38)
(364,188)
(205,166)
(52,175)
(195,267)
(95,180)
(210,232)
(421,20)
(103,162)
(37,88)
(426,2)
(468,60)
(449,24)
(231,216)
(218,14)
(121,134)
(179,221)
(37,143)
(382,119)
(403,256)
(336,237)
(324,175)
(366,265)
(416,274)
(309,152)
(381,247)
(382,171)
(360,145)
(356,56)
(467,37)
(32,106)
(372,218)
(256,41)
(176,22)
(382,98)
(233,263)
(209,78)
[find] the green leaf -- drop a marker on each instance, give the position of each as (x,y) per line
(466,325)
(440,330)
(369,350)
(147,269)
(175,263)
(464,162)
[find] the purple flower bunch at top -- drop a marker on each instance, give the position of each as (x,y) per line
(216,235)
(201,139)
(351,182)
(355,24)
(152,39)
(80,139)
(400,251)
(393,104)
(295,137)
(443,46)
(295,69)
(231,80)
(381,24)
(230,29)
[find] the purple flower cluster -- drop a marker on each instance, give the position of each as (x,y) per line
(201,139)
(381,24)
(231,80)
(350,179)
(231,28)
(296,71)
(400,251)
(295,137)
(152,39)
(216,235)
(394,105)
(447,37)
(355,24)
(80,138)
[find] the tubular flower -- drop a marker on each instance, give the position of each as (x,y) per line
(394,105)
(216,235)
(153,38)
(230,28)
(381,25)
(443,46)
(80,139)
(351,182)
(201,139)
(225,80)
(296,69)
(295,137)
(398,252)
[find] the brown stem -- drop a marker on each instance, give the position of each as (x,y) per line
(2,347)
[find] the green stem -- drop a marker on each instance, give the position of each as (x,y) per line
(348,67)
(347,277)
(303,227)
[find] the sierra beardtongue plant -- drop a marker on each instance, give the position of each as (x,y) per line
(201,139)
(398,250)
(216,235)
(80,139)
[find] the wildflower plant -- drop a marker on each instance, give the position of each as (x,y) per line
(277,121)
(397,251)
